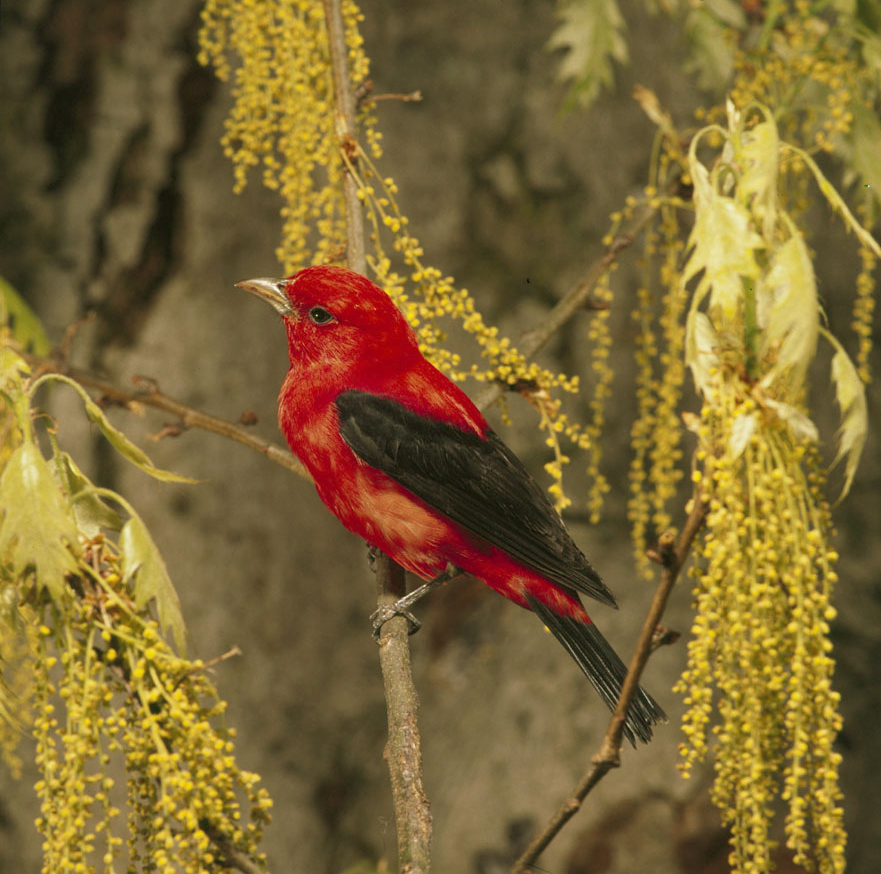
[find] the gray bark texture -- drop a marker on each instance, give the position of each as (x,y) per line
(115,197)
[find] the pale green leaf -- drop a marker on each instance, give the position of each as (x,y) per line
(729,12)
(851,397)
(37,529)
(788,312)
(872,46)
(116,438)
(836,201)
(27,329)
(722,244)
(866,139)
(757,185)
(701,343)
(142,564)
(591,37)
(92,514)
(799,423)
(846,8)
(12,366)
(742,429)
(13,371)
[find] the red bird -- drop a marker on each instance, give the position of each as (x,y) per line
(404,459)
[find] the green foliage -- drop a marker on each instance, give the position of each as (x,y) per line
(590,36)
(88,670)
(38,533)
(24,326)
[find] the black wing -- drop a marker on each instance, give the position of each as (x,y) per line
(478,483)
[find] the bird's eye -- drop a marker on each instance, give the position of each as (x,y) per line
(320,316)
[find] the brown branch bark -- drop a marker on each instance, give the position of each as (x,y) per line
(403,752)
(673,553)
(147,393)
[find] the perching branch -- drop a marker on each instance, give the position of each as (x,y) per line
(403,752)
(672,554)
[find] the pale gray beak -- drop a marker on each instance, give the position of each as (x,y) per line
(272,291)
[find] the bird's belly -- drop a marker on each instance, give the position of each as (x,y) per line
(376,508)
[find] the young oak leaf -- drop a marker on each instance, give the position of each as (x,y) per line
(115,437)
(38,529)
(143,566)
(743,427)
(788,312)
(851,397)
(591,35)
(757,185)
(26,328)
(701,343)
(93,515)
(799,424)
(722,244)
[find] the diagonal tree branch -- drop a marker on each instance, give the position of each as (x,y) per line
(578,297)
(146,393)
(672,554)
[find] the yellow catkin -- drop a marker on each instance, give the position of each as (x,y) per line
(655,469)
(863,312)
(139,706)
(758,682)
(763,600)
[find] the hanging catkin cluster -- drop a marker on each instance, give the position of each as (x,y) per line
(766,569)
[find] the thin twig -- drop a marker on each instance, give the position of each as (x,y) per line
(344,112)
(578,297)
(673,552)
(408,97)
(232,857)
(146,392)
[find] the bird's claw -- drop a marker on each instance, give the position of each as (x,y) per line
(389,611)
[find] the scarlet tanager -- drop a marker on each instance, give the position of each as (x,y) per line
(404,459)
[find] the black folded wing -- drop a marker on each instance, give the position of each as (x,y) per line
(477,482)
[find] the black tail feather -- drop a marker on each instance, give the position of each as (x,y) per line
(603,668)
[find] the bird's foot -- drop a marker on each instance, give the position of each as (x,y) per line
(401,607)
(389,611)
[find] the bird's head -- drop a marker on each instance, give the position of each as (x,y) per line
(336,319)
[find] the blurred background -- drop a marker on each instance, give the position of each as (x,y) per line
(115,198)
